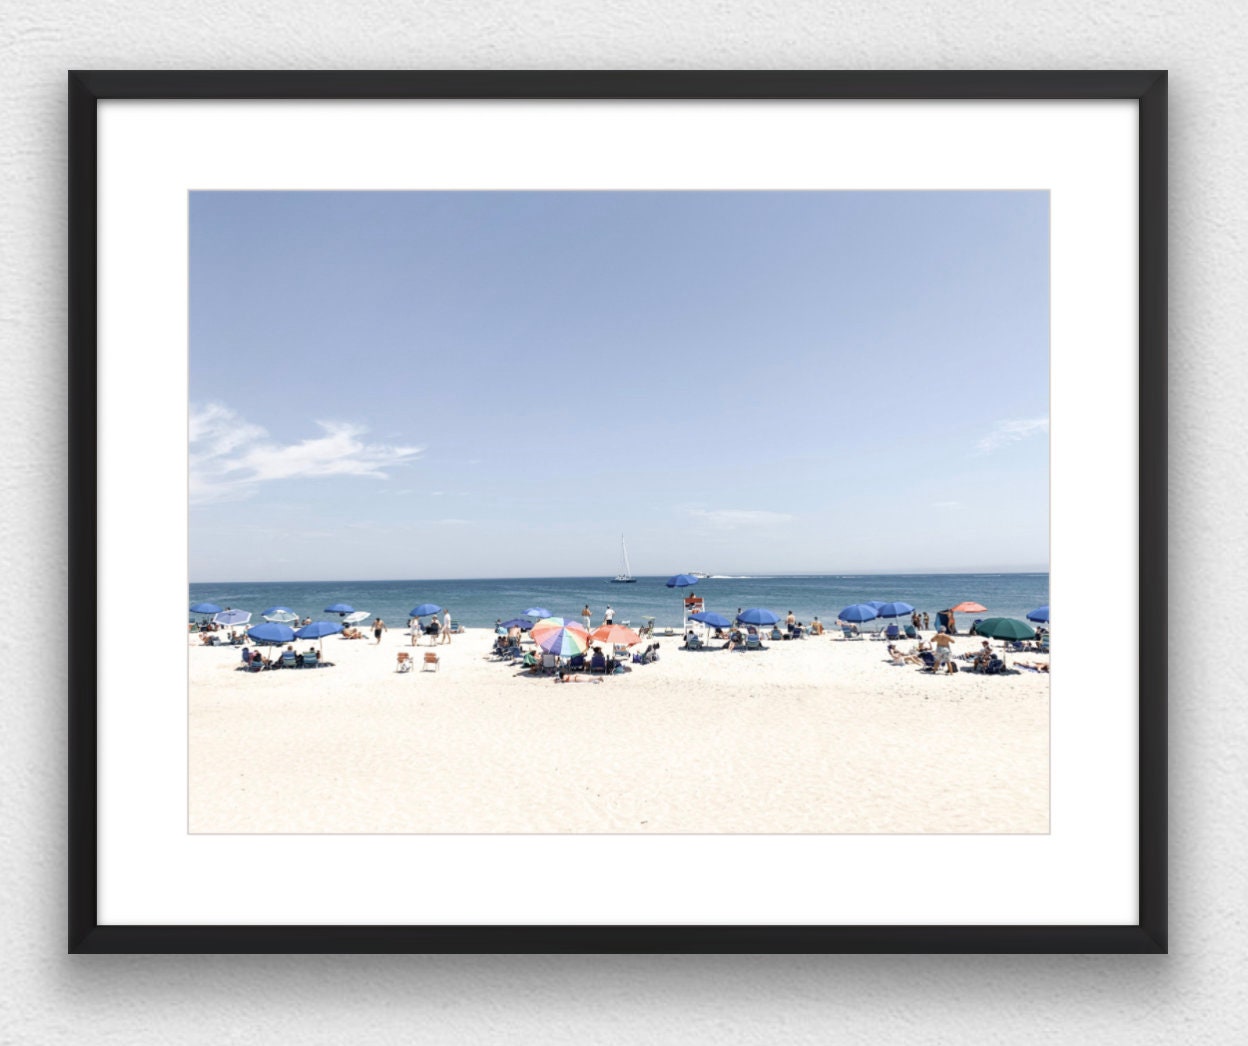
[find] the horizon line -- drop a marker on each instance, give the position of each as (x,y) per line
(982,572)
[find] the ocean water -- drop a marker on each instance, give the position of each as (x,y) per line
(479,603)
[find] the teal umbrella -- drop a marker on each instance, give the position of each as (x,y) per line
(1005,628)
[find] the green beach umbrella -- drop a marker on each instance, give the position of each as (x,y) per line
(1005,628)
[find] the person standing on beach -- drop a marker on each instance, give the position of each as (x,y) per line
(586,617)
(608,615)
(927,622)
(446,627)
(379,627)
(953,625)
(943,649)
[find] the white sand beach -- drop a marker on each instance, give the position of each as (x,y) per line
(810,736)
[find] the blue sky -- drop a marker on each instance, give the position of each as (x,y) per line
(424,385)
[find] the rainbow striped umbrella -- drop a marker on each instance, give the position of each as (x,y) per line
(557,636)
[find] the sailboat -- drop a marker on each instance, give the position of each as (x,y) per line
(626,576)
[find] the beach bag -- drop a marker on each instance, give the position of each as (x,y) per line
(953,666)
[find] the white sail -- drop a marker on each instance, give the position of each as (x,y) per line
(627,574)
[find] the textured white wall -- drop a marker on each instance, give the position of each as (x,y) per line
(1197,994)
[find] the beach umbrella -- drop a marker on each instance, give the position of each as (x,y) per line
(556,636)
(424,610)
(340,608)
(232,618)
(709,618)
(875,604)
(280,615)
(968,608)
(1041,615)
(271,633)
(894,609)
(318,630)
(758,616)
(615,634)
(858,613)
(205,608)
(276,610)
(1005,628)
(355,618)
(538,612)
(522,623)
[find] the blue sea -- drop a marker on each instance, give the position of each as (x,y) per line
(479,603)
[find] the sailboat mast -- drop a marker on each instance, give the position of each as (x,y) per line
(624,550)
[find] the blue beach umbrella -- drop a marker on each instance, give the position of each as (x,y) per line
(894,609)
(272,633)
(858,613)
(340,608)
(231,618)
(758,616)
(875,604)
(318,630)
(205,608)
(522,623)
(538,612)
(424,610)
(1036,615)
(712,619)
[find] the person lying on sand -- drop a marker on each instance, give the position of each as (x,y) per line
(1035,666)
(898,658)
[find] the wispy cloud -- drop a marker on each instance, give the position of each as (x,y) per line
(946,504)
(734,518)
(1011,431)
(230,457)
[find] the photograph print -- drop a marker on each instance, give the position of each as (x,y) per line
(619,512)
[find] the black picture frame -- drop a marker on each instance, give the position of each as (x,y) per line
(1147,88)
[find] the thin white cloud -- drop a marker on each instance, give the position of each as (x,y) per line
(1011,431)
(230,457)
(733,518)
(946,504)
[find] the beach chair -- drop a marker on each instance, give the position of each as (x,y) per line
(911,632)
(752,642)
(311,659)
(598,666)
(693,643)
(1044,643)
(928,659)
(892,632)
(456,628)
(777,634)
(404,662)
(847,632)
(576,663)
(431,658)
(256,664)
(288,659)
(549,661)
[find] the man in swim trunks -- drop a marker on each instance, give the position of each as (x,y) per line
(379,627)
(942,648)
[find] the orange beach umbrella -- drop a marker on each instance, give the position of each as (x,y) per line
(617,634)
(969,608)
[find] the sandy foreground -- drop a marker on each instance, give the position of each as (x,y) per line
(813,736)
